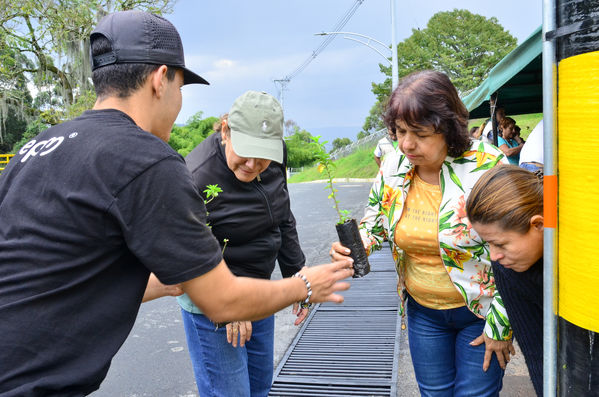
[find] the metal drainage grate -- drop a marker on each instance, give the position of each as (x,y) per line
(347,349)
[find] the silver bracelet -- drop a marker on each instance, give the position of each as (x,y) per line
(308,287)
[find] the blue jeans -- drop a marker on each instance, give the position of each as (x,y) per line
(532,167)
(223,370)
(445,363)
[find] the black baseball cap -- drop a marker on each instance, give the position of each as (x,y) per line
(140,37)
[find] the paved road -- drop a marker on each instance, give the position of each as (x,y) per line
(154,360)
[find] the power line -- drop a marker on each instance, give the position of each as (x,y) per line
(325,42)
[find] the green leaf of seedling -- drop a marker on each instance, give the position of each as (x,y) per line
(212,190)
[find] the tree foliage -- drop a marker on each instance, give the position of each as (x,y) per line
(300,149)
(338,143)
(463,45)
(33,128)
(374,120)
(185,138)
(15,98)
(46,44)
(290,126)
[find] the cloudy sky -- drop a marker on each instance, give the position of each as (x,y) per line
(241,45)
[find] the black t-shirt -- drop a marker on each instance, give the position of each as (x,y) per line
(87,210)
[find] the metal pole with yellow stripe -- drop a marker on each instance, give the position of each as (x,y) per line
(575,189)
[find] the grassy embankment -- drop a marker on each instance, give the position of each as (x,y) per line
(360,164)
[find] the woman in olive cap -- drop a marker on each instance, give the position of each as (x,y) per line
(252,219)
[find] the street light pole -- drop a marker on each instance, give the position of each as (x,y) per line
(394,68)
(366,43)
(392,50)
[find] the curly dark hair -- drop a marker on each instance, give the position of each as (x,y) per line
(428,98)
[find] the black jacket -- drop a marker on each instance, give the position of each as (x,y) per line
(254,216)
(522,295)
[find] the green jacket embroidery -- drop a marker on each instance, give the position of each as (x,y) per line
(464,254)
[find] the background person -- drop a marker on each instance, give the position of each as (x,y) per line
(247,159)
(386,144)
(456,320)
(487,134)
(91,206)
(475,132)
(507,142)
(506,210)
(531,155)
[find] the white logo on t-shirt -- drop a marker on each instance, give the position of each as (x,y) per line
(33,148)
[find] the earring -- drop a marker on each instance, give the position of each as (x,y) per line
(222,143)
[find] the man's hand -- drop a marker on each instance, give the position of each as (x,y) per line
(241,330)
(324,280)
(502,348)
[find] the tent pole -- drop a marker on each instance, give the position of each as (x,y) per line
(493,104)
(550,231)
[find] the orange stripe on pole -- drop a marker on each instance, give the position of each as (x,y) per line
(550,201)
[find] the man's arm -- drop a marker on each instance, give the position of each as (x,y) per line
(224,297)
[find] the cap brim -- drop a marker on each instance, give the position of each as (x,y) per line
(252,147)
(190,77)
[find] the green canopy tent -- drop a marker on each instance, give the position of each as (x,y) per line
(516,82)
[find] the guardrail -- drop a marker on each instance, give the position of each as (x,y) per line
(368,140)
(4,159)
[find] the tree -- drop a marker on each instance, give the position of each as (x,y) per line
(374,121)
(300,150)
(185,138)
(33,128)
(338,143)
(463,45)
(53,36)
(290,126)
(15,98)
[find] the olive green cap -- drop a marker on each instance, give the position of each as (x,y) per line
(256,124)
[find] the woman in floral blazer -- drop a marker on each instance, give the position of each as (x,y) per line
(456,319)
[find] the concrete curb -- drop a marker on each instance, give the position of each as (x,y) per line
(340,180)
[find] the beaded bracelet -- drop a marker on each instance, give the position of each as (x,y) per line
(308,287)
(305,305)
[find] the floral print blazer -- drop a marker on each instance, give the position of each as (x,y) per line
(464,254)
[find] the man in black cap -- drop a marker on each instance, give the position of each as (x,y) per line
(90,207)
